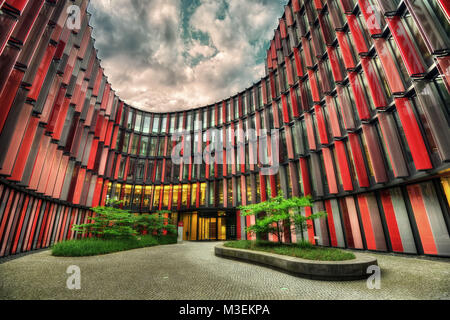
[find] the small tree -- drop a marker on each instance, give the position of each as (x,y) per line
(300,221)
(109,222)
(112,222)
(276,210)
(155,223)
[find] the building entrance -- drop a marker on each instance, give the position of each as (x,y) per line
(208,226)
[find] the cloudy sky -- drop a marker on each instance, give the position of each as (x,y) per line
(163,55)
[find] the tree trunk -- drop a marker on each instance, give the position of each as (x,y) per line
(278,233)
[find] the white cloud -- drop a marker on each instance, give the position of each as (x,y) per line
(199,50)
(149,64)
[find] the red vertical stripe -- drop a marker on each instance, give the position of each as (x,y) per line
(331,227)
(367,223)
(310,226)
(422,222)
(391,221)
(344,169)
(413,135)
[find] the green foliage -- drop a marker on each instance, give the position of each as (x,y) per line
(95,246)
(269,215)
(111,222)
(303,249)
(155,223)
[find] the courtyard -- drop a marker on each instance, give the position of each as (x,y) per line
(191,271)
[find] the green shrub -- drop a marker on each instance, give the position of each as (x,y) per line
(154,223)
(95,246)
(303,249)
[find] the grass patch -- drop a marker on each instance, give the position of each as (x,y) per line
(94,246)
(304,250)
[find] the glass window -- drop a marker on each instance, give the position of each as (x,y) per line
(176,189)
(172,123)
(205,118)
(185,194)
(127,195)
(146,127)
(249,189)
(158,173)
(140,170)
(220,192)
(166,196)
(229,192)
(252,100)
(244,104)
(197,120)
(137,197)
(168,171)
(189,121)
(180,122)
(260,97)
(150,167)
(156,197)
(238,191)
(277,87)
(298,138)
(228,111)
(153,146)
(155,128)
(193,194)
(213,116)
(144,146)
(219,115)
(130,119)
(126,142)
(147,197)
(137,124)
(161,146)
(135,144)
(123,162)
(163,124)
(131,169)
(202,193)
(268,91)
(169,147)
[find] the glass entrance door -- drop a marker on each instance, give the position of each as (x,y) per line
(189,226)
(207,226)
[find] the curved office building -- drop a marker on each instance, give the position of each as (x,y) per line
(356,90)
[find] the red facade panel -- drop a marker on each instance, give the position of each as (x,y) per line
(374,83)
(410,55)
(375,153)
(347,53)
(344,169)
(389,66)
(358,158)
(330,171)
(413,135)
(321,124)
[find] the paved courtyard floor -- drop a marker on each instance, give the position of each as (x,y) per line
(191,271)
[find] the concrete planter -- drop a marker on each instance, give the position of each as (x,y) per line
(355,269)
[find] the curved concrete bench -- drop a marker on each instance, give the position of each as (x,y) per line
(354,269)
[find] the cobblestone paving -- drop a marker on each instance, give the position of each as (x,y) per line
(191,271)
